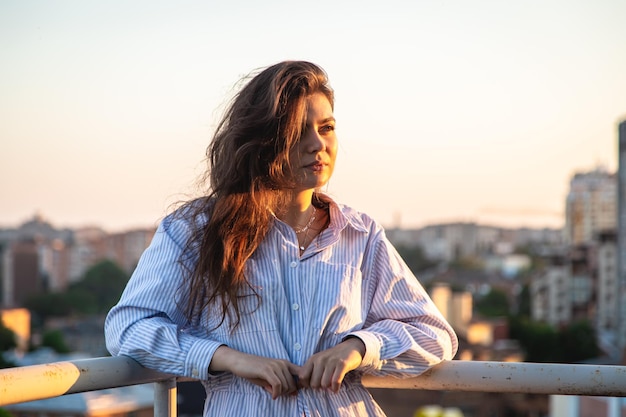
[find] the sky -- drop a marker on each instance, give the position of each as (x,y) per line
(474,111)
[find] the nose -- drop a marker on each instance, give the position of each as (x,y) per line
(315,142)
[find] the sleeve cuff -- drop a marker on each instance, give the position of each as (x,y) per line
(371,359)
(199,358)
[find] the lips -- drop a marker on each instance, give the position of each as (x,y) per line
(316,166)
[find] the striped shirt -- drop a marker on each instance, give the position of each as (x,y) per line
(350,281)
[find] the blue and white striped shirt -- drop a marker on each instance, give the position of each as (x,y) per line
(350,281)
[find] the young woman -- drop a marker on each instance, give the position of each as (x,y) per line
(272,294)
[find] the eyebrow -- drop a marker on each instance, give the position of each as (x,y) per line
(326,120)
(330,119)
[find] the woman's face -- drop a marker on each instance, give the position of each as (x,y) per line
(313,157)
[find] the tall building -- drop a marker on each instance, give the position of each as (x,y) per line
(36,257)
(621,231)
(607,303)
(22,276)
(127,247)
(551,295)
(591,205)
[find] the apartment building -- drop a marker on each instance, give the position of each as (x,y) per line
(36,257)
(591,205)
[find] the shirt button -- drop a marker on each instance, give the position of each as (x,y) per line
(194,372)
(293,264)
(295,306)
(297,346)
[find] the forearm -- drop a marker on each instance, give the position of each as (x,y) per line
(226,359)
(355,344)
(159,344)
(399,348)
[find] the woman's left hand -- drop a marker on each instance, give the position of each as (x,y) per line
(327,369)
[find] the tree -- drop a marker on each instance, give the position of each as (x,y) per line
(82,301)
(48,305)
(8,340)
(414,258)
(97,292)
(494,304)
(105,282)
(578,342)
(539,340)
(524,302)
(54,339)
(542,343)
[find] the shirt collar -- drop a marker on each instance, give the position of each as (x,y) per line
(342,216)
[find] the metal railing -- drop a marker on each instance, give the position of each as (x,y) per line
(37,382)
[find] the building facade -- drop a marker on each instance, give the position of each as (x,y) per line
(621,233)
(37,258)
(551,295)
(590,206)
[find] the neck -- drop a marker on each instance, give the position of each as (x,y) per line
(298,209)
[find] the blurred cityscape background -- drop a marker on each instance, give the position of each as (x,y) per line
(487,136)
(511,294)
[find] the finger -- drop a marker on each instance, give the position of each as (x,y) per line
(272,386)
(263,384)
(286,381)
(278,381)
(304,375)
(317,374)
(290,384)
(326,380)
(294,370)
(337,379)
(282,381)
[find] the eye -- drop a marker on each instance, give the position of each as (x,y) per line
(327,128)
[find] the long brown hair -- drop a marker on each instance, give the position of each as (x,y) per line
(249,172)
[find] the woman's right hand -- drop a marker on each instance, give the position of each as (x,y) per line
(276,376)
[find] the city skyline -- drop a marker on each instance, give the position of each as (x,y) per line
(446,111)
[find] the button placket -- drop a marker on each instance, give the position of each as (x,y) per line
(297,325)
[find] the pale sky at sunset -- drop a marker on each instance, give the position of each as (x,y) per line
(447,110)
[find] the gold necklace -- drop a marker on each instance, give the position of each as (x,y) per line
(310,222)
(305,240)
(303,245)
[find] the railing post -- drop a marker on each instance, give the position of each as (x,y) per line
(165,398)
(614,407)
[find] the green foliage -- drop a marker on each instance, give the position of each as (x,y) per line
(54,339)
(543,343)
(96,293)
(539,340)
(414,258)
(468,264)
(8,340)
(5,413)
(537,262)
(49,305)
(578,342)
(494,304)
(105,282)
(82,300)
(524,302)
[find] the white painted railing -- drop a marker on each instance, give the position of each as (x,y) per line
(37,382)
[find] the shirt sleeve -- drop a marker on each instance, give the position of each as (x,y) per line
(404,332)
(148,323)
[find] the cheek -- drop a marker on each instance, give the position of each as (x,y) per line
(295,156)
(332,150)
